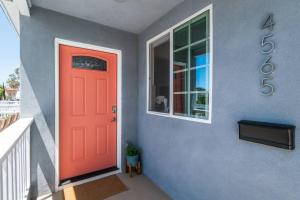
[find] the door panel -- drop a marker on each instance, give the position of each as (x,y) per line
(101,99)
(78,143)
(102,140)
(78,95)
(88,92)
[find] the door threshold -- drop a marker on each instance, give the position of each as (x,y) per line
(89,176)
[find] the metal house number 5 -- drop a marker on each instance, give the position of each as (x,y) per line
(267,48)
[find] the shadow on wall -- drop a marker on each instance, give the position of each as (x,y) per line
(34,98)
(42,167)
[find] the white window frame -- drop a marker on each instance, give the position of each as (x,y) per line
(170,32)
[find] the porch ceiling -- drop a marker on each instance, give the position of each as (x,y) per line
(129,15)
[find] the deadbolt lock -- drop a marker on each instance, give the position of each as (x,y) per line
(114,109)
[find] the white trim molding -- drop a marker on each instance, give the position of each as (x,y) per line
(24,7)
(13,9)
(57,42)
(170,33)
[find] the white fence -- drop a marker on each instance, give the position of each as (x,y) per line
(15,160)
(9,107)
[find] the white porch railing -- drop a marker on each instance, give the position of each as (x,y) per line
(15,160)
(9,107)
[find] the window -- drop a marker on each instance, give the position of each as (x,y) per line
(88,62)
(159,75)
(180,70)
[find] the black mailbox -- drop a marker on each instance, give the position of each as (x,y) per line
(277,135)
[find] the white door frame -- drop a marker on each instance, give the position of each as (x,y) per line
(57,42)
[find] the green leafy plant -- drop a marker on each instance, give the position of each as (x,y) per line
(132,150)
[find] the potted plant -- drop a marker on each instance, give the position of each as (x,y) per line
(132,155)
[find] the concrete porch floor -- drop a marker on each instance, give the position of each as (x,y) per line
(139,188)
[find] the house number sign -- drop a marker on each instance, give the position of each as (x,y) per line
(267,47)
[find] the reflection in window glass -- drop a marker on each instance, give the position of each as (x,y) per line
(181,59)
(181,37)
(159,71)
(199,55)
(198,30)
(199,79)
(199,105)
(180,81)
(180,104)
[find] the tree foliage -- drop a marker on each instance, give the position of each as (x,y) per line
(13,80)
(2,92)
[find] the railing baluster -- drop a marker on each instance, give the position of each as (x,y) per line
(9,177)
(5,177)
(1,180)
(18,171)
(28,158)
(14,173)
(23,167)
(13,161)
(25,163)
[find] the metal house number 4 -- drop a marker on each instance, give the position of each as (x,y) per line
(267,48)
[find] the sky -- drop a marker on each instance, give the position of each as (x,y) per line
(201,76)
(9,48)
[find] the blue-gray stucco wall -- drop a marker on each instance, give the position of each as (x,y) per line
(191,160)
(38,82)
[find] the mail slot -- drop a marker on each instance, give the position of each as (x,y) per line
(277,135)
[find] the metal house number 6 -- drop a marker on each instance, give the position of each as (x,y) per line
(267,68)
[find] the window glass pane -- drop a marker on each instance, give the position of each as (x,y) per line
(181,59)
(180,104)
(198,30)
(181,37)
(88,62)
(199,55)
(199,105)
(159,80)
(180,81)
(191,69)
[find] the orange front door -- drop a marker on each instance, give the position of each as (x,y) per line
(87,99)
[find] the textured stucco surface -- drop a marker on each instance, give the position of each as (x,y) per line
(199,161)
(188,160)
(114,13)
(38,81)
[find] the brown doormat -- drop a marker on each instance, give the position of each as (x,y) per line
(95,190)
